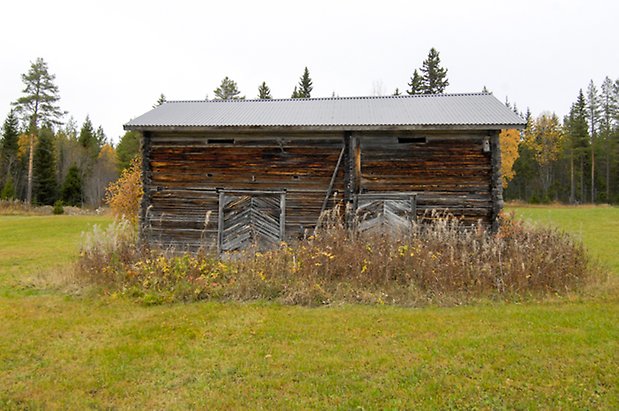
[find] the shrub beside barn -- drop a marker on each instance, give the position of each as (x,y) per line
(223,174)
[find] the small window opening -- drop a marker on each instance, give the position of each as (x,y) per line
(412,140)
(295,177)
(220,141)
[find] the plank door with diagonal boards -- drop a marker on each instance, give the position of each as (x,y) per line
(249,218)
(385,212)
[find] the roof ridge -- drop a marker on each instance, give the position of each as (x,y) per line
(333,98)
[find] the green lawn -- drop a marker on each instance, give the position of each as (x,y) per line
(59,351)
(598,227)
(33,243)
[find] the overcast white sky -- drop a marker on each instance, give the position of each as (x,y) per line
(112,58)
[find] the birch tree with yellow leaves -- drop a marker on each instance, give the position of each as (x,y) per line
(544,138)
(509,141)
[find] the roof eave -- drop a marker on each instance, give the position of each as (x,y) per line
(418,127)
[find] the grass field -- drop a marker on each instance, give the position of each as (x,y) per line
(59,351)
(598,227)
(33,243)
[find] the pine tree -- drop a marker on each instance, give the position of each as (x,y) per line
(295,93)
(416,84)
(397,92)
(593,114)
(160,100)
(72,189)
(45,188)
(37,106)
(227,90)
(264,92)
(434,76)
(305,85)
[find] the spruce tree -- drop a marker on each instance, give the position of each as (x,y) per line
(38,105)
(416,84)
(100,138)
(160,100)
(397,92)
(227,90)
(8,189)
(295,93)
(45,187)
(434,76)
(527,118)
(264,92)
(9,145)
(72,189)
(577,133)
(128,148)
(88,139)
(305,85)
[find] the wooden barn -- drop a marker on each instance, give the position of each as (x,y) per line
(226,173)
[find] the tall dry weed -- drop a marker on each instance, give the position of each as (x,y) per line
(106,251)
(442,262)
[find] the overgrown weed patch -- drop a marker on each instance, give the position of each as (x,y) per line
(441,262)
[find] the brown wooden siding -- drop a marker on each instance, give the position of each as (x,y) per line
(448,171)
(187,171)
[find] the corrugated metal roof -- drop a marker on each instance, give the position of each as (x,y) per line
(474,109)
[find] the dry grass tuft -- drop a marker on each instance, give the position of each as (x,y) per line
(17,207)
(442,262)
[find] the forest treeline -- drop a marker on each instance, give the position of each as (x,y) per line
(572,160)
(43,160)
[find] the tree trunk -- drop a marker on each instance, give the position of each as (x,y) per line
(592,168)
(582,179)
(608,148)
(30,169)
(572,187)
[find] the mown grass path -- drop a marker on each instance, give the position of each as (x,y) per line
(59,351)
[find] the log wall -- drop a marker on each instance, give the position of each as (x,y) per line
(449,172)
(185,173)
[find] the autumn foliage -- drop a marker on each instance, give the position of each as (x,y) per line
(124,195)
(509,141)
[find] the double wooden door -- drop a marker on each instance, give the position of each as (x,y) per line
(251,218)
